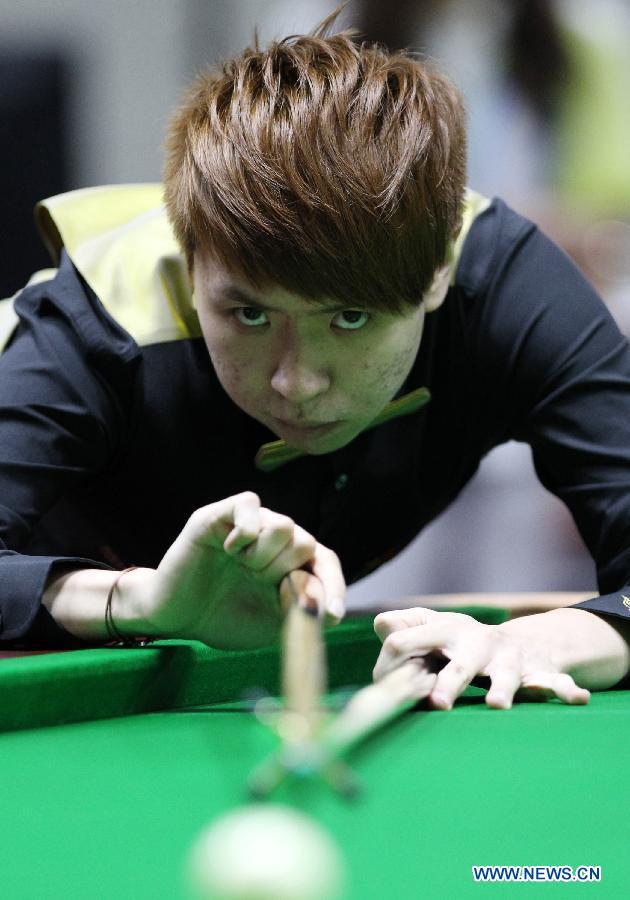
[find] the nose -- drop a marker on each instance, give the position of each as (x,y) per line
(299,376)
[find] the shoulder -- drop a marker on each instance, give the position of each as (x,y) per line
(514,280)
(494,236)
(530,322)
(120,241)
(57,306)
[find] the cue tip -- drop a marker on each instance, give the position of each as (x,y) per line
(303,590)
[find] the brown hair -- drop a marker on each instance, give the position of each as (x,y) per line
(330,168)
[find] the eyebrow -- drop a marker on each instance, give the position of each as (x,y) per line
(235,294)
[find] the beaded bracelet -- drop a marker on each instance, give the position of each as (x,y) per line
(110,626)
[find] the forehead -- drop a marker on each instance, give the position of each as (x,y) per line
(216,285)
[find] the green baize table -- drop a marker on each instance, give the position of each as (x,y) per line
(112,760)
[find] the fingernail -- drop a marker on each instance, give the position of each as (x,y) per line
(501,699)
(232,543)
(441,701)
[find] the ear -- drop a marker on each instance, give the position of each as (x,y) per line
(435,294)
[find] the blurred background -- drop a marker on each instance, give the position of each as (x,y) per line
(86,90)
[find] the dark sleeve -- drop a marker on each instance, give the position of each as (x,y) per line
(555,367)
(61,421)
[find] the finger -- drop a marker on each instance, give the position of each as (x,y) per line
(297,554)
(505,679)
(243,513)
(327,567)
(558,684)
(213,524)
(458,673)
(276,534)
(386,623)
(409,643)
(422,663)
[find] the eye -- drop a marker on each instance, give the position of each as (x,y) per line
(250,316)
(351,319)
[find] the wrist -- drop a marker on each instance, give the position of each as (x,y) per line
(129,606)
(553,632)
(590,644)
(77,598)
(586,646)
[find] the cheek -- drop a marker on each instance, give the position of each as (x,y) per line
(393,370)
(230,373)
(228,362)
(391,366)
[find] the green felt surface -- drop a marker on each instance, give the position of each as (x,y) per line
(109,809)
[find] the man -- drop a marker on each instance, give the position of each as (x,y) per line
(341,275)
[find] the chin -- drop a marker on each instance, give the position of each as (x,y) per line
(323,445)
(313,441)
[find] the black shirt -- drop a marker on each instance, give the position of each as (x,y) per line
(107,446)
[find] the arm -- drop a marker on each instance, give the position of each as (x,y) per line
(550,368)
(59,424)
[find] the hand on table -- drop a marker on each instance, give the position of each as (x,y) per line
(218,582)
(537,656)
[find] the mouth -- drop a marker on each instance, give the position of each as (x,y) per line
(306,429)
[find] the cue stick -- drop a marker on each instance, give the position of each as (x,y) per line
(371,708)
(303,655)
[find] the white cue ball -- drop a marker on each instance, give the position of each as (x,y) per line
(266,852)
